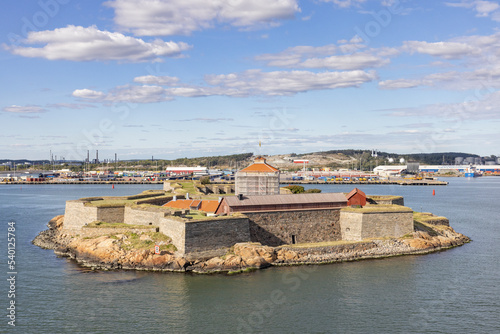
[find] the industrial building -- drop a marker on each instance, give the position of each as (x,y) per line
(183,171)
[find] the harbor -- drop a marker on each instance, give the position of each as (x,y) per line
(401,182)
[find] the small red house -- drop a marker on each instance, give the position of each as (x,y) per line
(356,197)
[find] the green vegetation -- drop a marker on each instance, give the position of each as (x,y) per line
(425,228)
(295,189)
(187,187)
(378,208)
(224,160)
(194,214)
(420,220)
(115,202)
(205,180)
(136,241)
(423,217)
(110,203)
(168,248)
(99,224)
(147,194)
(384,197)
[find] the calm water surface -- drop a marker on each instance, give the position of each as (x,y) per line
(455,291)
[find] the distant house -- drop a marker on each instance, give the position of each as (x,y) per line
(182,171)
(356,197)
(194,204)
(290,202)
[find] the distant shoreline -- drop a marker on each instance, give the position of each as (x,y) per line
(396,182)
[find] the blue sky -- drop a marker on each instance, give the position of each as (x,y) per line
(185,78)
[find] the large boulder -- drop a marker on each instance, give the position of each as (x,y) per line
(256,262)
(255,249)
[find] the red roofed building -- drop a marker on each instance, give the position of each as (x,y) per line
(258,179)
(356,197)
(194,204)
(289,202)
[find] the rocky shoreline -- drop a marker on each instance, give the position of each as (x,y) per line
(108,252)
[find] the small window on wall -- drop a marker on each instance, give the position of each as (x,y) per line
(294,239)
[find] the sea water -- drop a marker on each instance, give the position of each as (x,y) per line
(454,291)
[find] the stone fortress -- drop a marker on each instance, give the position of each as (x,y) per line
(256,213)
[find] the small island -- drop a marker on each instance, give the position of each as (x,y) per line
(142,232)
(195,226)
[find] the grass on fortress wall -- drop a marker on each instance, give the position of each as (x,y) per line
(134,241)
(423,217)
(186,187)
(115,202)
(100,224)
(383,197)
(378,208)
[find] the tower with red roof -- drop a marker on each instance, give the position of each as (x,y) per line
(259,178)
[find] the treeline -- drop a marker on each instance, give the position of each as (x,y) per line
(447,158)
(219,161)
(422,158)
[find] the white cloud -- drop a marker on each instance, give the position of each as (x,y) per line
(207,120)
(130,94)
(346,3)
(345,56)
(70,105)
(76,43)
(400,83)
(182,17)
(481,7)
(293,56)
(478,68)
(446,50)
(248,83)
(256,82)
(29,109)
(157,80)
(481,79)
(88,94)
(346,62)
(472,108)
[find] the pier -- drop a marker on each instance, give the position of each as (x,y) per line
(397,182)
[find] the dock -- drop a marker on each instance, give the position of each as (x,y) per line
(395,182)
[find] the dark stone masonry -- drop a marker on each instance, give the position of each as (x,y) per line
(290,227)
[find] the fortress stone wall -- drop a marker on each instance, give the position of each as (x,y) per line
(110,214)
(176,230)
(92,232)
(213,236)
(286,227)
(78,214)
(209,237)
(357,226)
(138,216)
(216,235)
(387,200)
